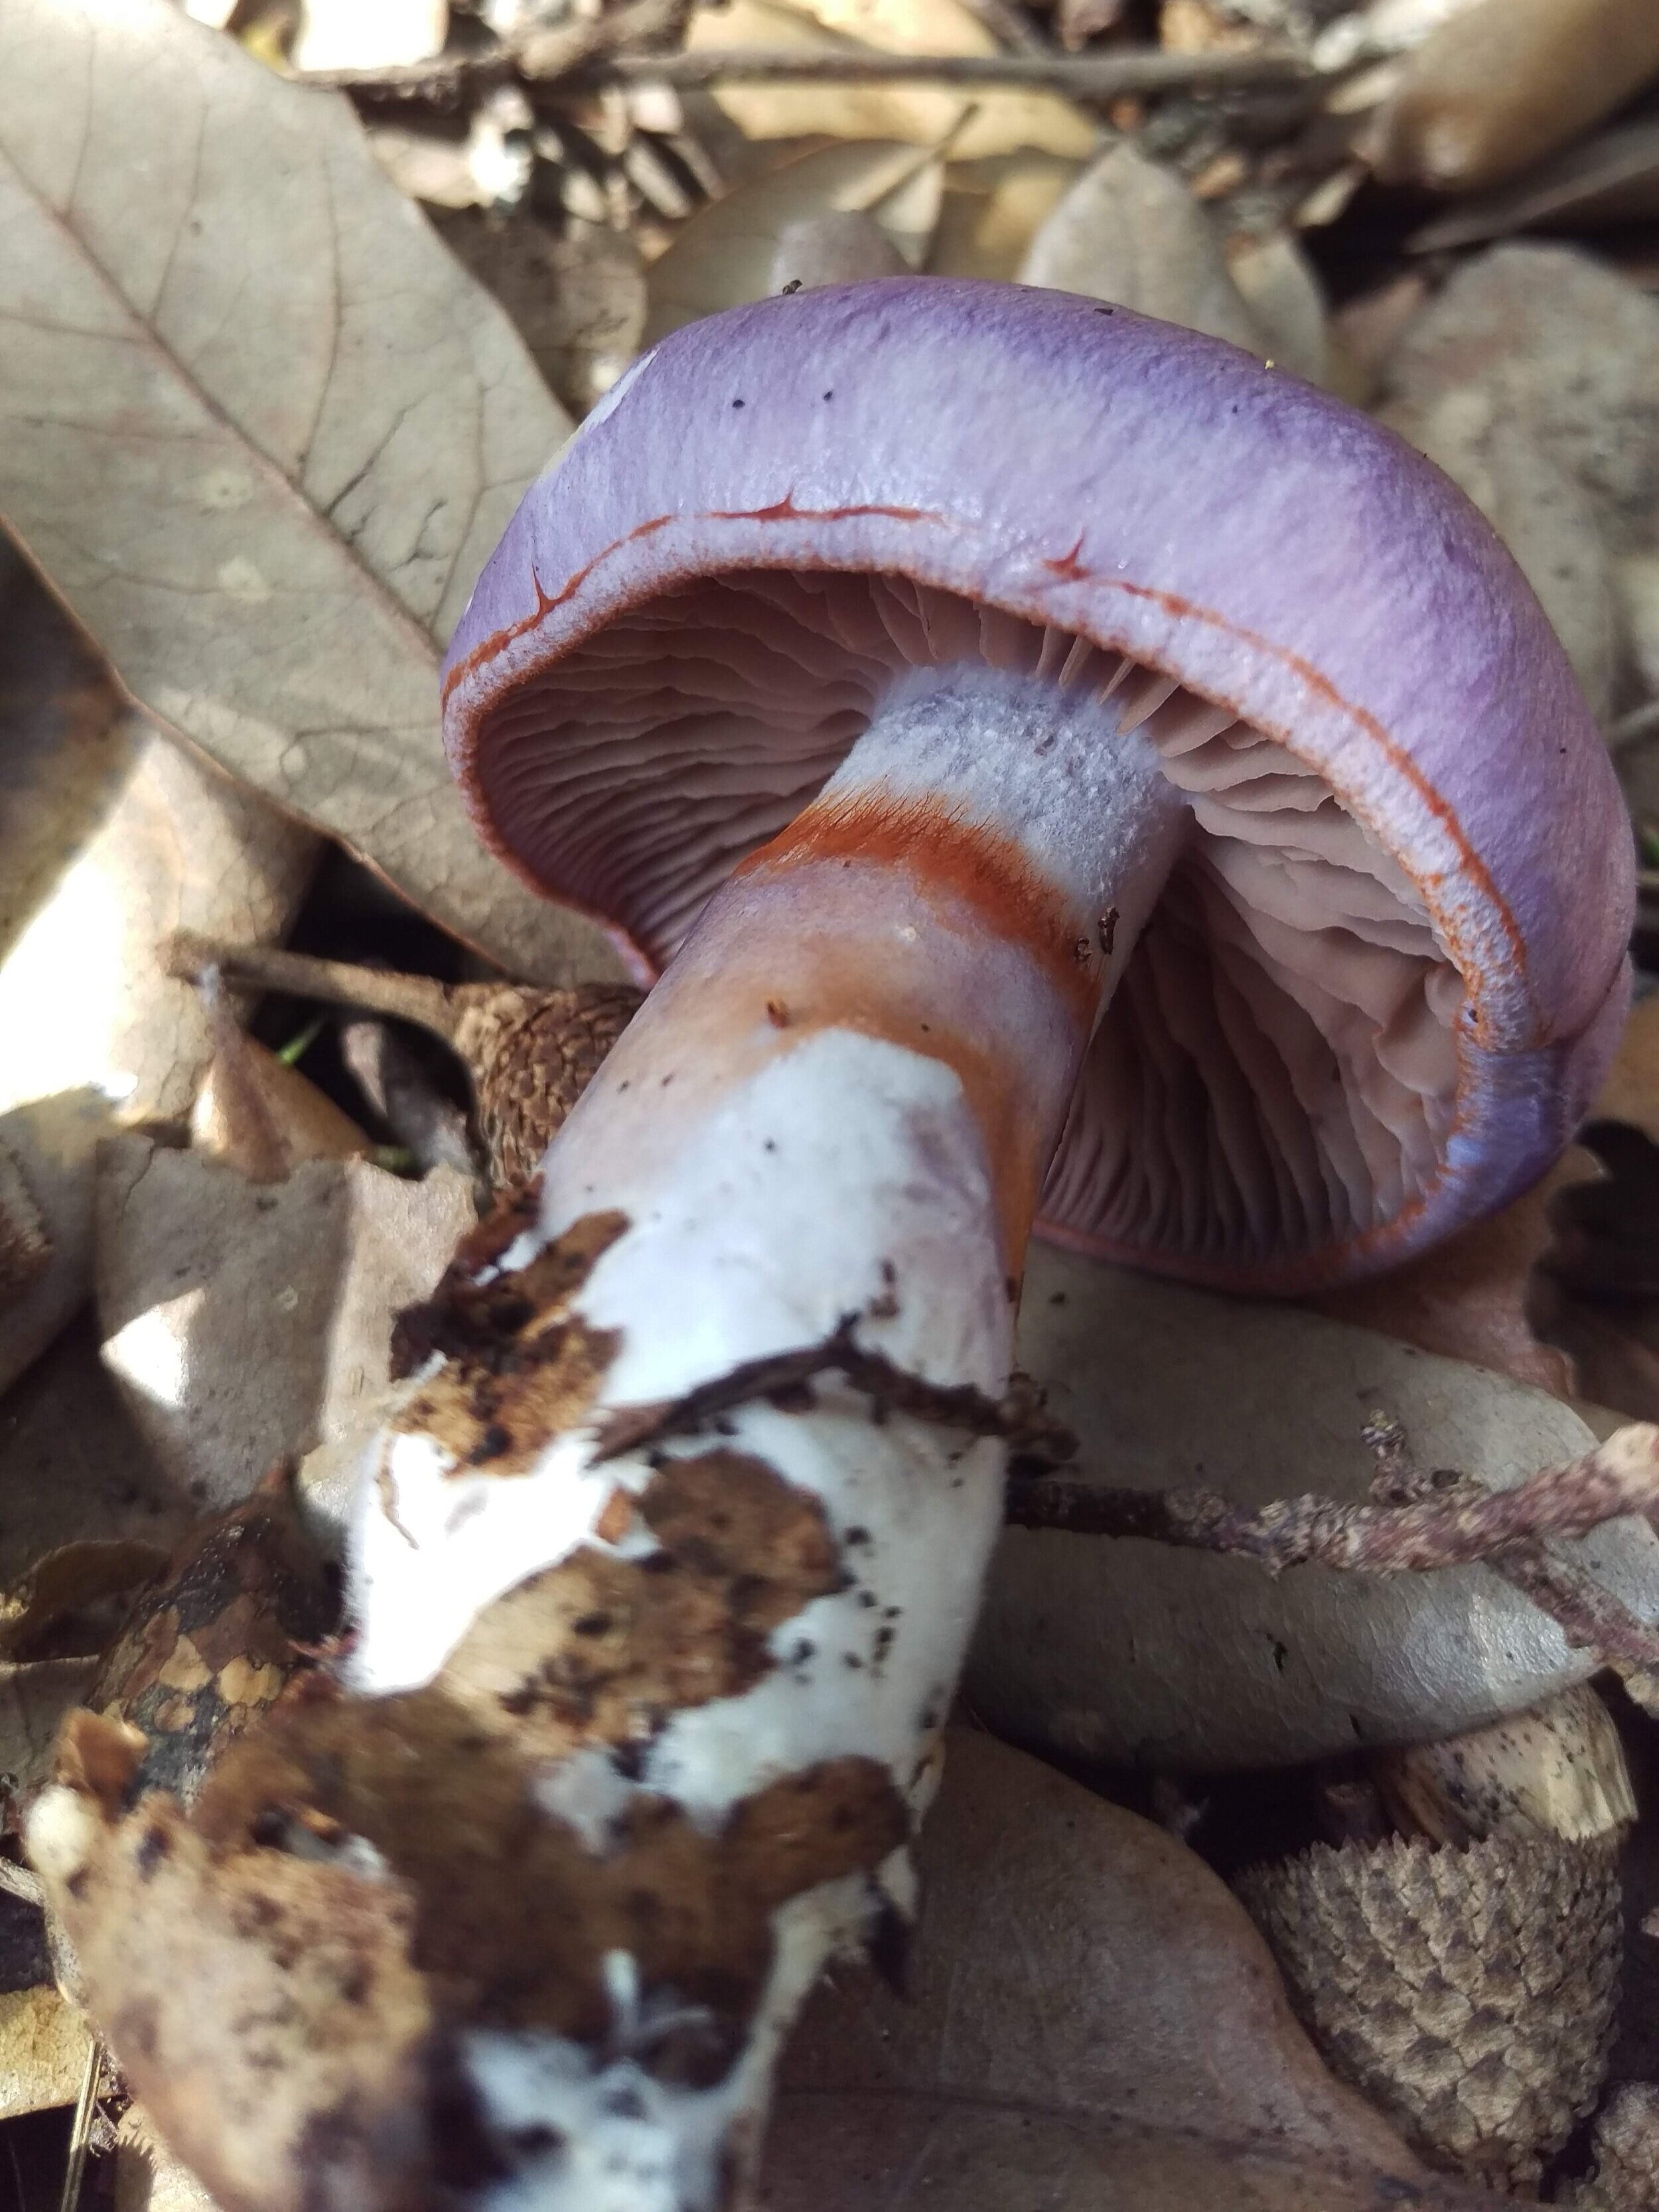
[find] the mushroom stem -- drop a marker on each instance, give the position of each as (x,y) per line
(842,1097)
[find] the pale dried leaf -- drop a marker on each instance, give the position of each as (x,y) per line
(848,248)
(1091,2022)
(43,2051)
(1286,301)
(1131,232)
(258,1115)
(50,1146)
(984,122)
(268,513)
(578,299)
(245,1323)
(68,744)
(725,253)
(84,999)
(992,211)
(1131,1651)
(1504,83)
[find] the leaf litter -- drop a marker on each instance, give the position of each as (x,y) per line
(264,526)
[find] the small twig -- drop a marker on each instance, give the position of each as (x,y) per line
(1079,76)
(21,1882)
(785,1378)
(1619,1477)
(586,58)
(81,2133)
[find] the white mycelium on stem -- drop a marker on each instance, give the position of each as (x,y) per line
(841,1099)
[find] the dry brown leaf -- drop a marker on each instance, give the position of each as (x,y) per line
(984,122)
(1091,2023)
(724,255)
(43,2046)
(260,430)
(1130,231)
(246,1322)
(50,1144)
(1503,84)
(109,837)
(71,1580)
(992,211)
(579,298)
(1125,1649)
(73,1468)
(261,1116)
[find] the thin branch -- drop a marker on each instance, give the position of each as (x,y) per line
(1079,76)
(1619,1477)
(785,1379)
(416,998)
(587,58)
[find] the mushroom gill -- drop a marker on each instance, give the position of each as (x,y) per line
(1278,1071)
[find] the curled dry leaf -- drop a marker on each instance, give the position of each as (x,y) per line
(1122,1650)
(1089,2021)
(1504,83)
(985,121)
(263,1117)
(1130,231)
(727,252)
(270,521)
(245,1323)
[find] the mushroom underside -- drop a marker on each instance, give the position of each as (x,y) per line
(1278,1070)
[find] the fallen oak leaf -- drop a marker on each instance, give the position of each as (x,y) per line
(270,521)
(1089,2020)
(1135,1652)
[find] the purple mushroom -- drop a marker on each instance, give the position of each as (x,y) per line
(1060,769)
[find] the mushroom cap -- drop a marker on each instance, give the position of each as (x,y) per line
(1391,967)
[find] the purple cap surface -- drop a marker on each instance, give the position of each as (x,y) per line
(1390,968)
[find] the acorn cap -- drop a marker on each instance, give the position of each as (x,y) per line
(532,1054)
(1468,1993)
